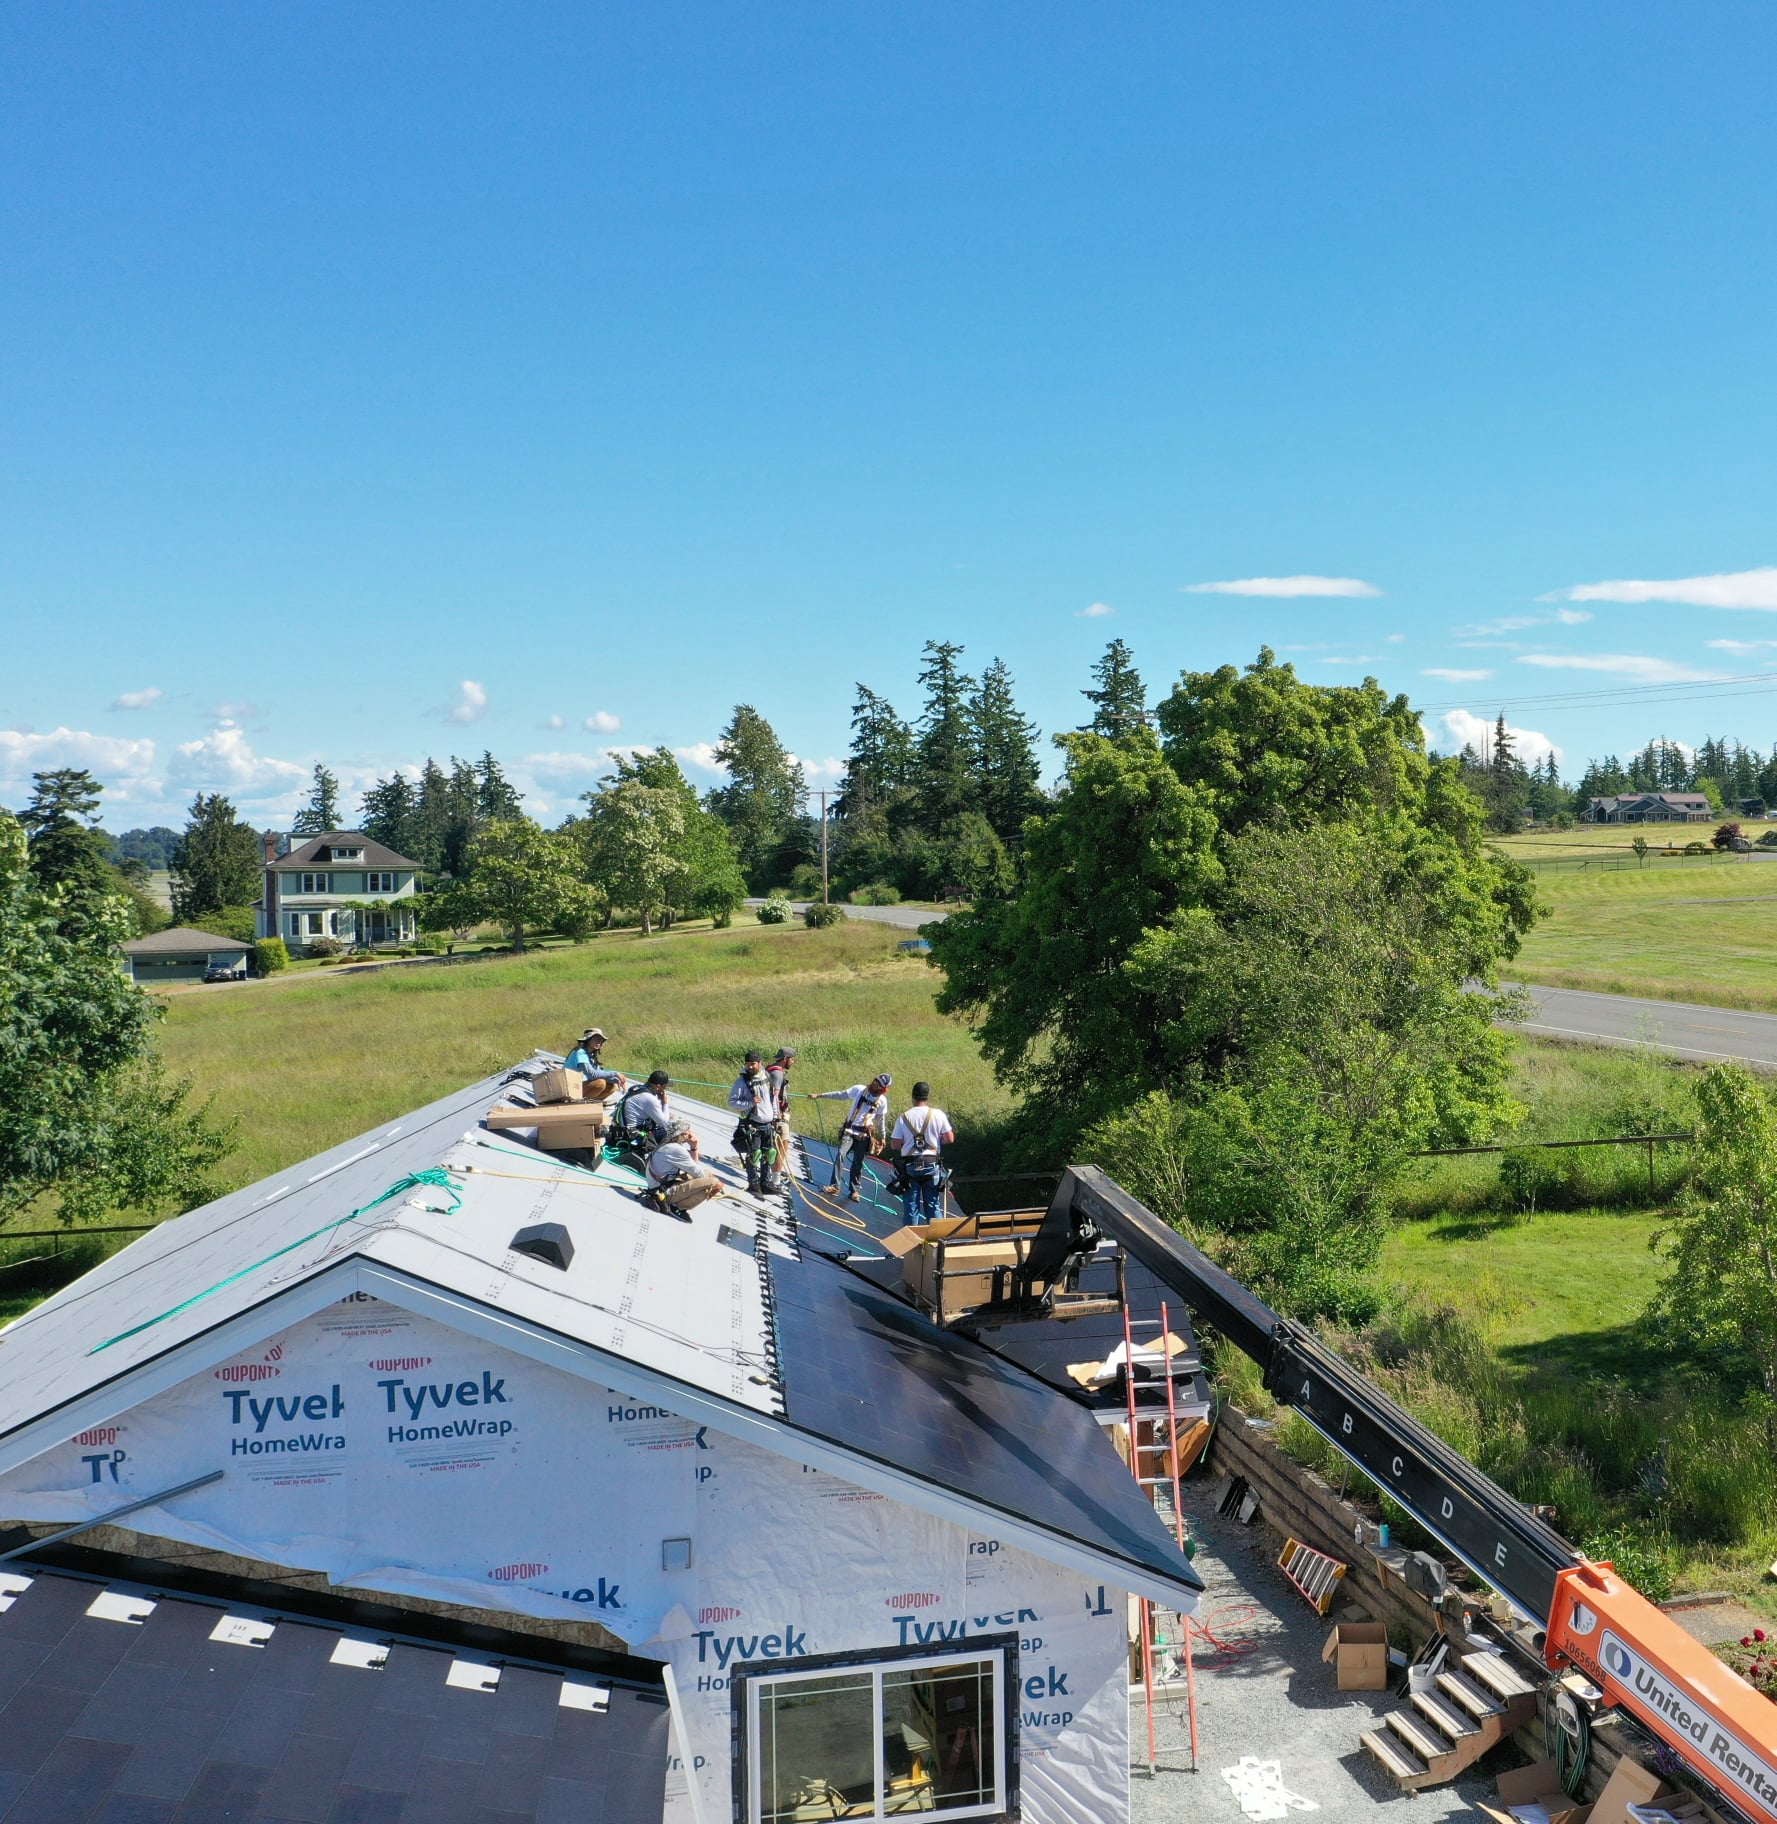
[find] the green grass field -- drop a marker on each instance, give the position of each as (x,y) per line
(306,1064)
(1686,931)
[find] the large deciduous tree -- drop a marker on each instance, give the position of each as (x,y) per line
(1244,953)
(89,1122)
(520,877)
(706,881)
(218,861)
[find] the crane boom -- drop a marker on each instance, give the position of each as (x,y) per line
(1637,1655)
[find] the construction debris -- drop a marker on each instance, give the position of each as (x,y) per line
(1259,1790)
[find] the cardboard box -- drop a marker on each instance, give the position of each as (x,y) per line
(968,1272)
(573,1113)
(1630,1784)
(1358,1653)
(560,1085)
(1537,1784)
(565,1136)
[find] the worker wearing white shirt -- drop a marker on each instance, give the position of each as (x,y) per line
(867,1118)
(921,1135)
(676,1174)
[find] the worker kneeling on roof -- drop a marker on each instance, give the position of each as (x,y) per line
(921,1134)
(677,1182)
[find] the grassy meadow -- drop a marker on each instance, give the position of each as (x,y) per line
(304,1064)
(1687,930)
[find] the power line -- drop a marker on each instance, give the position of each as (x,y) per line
(1699,690)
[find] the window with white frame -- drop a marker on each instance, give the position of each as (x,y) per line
(347,854)
(316,883)
(903,1735)
(314,923)
(380,883)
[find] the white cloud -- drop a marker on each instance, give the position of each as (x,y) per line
(1516,623)
(1286,586)
(820,769)
(1454,674)
(556,722)
(471,703)
(702,755)
(1741,647)
(1096,611)
(138,699)
(1634,666)
(602,722)
(1726,589)
(124,767)
(1466,729)
(225,762)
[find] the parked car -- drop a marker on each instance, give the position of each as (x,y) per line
(226,972)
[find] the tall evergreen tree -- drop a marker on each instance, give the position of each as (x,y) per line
(880,766)
(391,814)
(219,861)
(321,813)
(765,795)
(495,795)
(67,848)
(1118,697)
(1010,779)
(945,756)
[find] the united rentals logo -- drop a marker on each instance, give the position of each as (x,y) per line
(1649,1690)
(913,1599)
(514,1573)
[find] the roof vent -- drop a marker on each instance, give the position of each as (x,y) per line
(548,1242)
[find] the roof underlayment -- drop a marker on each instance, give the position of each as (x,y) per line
(728,1319)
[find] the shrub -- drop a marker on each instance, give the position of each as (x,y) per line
(239,922)
(1531,1179)
(1726,836)
(1696,848)
(819,916)
(805,881)
(878,893)
(1768,840)
(325,947)
(775,911)
(270,955)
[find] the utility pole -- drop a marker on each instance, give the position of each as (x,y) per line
(824,797)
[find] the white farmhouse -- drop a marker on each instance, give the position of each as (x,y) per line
(343,886)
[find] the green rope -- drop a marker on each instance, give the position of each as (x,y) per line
(434,1175)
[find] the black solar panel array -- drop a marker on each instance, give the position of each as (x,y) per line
(114,1722)
(862,1369)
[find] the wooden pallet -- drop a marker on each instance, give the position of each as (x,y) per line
(1313,1573)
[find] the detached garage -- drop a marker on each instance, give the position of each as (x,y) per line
(181,955)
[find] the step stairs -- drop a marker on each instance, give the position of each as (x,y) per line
(1471,1705)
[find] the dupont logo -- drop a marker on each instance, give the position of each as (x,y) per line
(106,1434)
(249,1371)
(913,1599)
(394,1364)
(513,1573)
(718,1614)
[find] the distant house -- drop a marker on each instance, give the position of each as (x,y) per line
(1650,807)
(181,955)
(342,886)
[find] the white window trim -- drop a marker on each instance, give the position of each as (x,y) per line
(875,1668)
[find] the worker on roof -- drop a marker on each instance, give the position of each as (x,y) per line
(921,1134)
(586,1058)
(864,1129)
(778,1070)
(754,1099)
(677,1180)
(643,1115)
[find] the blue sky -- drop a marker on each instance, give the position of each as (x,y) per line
(394,379)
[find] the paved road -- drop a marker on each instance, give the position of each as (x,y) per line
(1690,1031)
(1681,1027)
